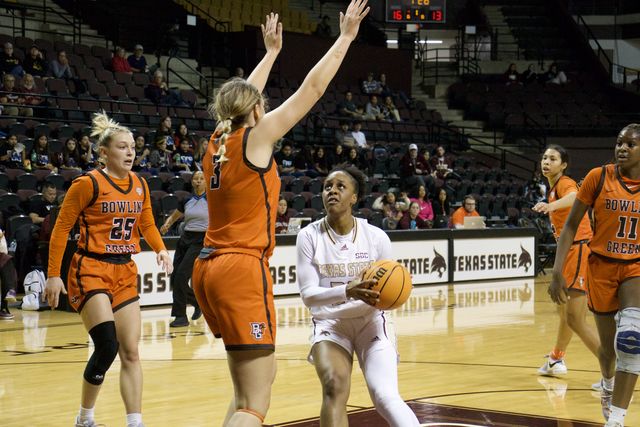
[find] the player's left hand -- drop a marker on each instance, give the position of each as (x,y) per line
(272,33)
(362,290)
(164,261)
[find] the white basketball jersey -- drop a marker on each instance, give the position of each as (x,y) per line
(340,259)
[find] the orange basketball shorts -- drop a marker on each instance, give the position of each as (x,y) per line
(575,267)
(603,279)
(235,293)
(89,276)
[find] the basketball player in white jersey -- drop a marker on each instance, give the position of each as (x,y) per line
(332,252)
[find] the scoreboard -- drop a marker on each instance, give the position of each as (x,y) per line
(416,11)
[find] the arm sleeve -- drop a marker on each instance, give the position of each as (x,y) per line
(75,201)
(384,245)
(309,280)
(148,224)
(587,191)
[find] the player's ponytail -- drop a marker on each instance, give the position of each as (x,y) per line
(234,102)
(104,128)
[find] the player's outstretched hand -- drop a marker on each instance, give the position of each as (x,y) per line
(361,289)
(164,261)
(541,207)
(52,291)
(272,33)
(557,290)
(350,20)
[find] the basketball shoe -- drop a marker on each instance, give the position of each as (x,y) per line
(87,423)
(613,424)
(597,386)
(553,367)
(605,400)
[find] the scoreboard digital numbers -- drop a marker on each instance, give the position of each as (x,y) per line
(416,11)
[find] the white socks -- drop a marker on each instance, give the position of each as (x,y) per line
(133,420)
(85,414)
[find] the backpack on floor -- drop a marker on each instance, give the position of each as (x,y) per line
(34,283)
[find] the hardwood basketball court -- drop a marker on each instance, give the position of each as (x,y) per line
(468,357)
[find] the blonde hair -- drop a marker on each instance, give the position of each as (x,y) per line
(232,105)
(104,128)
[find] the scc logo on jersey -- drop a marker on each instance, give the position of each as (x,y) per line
(257,330)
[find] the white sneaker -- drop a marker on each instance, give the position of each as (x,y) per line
(553,367)
(597,386)
(605,400)
(86,423)
(613,424)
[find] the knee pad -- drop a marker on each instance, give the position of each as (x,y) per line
(627,342)
(106,349)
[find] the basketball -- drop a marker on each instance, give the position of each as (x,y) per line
(394,283)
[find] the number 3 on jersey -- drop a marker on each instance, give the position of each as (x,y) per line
(215,176)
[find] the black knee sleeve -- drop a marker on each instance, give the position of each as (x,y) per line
(106,349)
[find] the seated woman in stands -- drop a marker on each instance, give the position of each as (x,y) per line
(40,157)
(70,159)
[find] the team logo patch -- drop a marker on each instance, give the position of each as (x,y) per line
(257,330)
(139,191)
(525,259)
(74,299)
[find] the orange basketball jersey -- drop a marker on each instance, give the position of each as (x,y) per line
(242,198)
(616,212)
(109,225)
(564,186)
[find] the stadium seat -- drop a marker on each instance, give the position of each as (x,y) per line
(27,182)
(57,180)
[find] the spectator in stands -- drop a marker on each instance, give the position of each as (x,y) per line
(324,28)
(347,108)
(374,110)
(29,91)
(359,136)
(411,219)
(343,135)
(40,208)
(137,61)
(358,160)
(238,72)
(8,279)
(284,160)
(9,63)
(165,130)
(35,64)
(389,110)
(303,162)
(392,209)
(70,155)
(88,158)
(40,157)
(511,76)
(554,76)
(535,191)
(159,93)
(196,220)
(426,208)
(199,152)
(441,163)
(468,208)
(183,158)
(337,156)
(182,134)
(11,100)
(12,153)
(60,69)
(387,91)
(160,156)
(530,75)
(141,162)
(371,86)
(320,162)
(414,171)
(282,218)
(119,63)
(441,210)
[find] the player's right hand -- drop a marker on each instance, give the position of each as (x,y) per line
(350,20)
(52,291)
(557,290)
(362,290)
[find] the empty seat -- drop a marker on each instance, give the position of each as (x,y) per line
(27,182)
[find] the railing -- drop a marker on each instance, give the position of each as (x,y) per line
(460,63)
(618,74)
(195,9)
(206,94)
(74,23)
